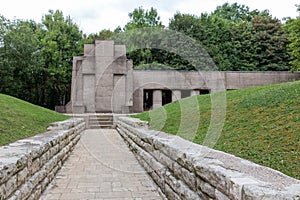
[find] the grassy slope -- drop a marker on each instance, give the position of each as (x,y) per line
(20,119)
(262,125)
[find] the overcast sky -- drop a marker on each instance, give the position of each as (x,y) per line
(93,16)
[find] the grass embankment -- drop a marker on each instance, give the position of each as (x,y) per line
(262,124)
(20,119)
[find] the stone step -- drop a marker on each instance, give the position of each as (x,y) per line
(100,126)
(100,121)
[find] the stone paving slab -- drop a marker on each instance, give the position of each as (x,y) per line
(101,167)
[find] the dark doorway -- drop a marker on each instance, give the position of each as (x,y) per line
(204,91)
(185,93)
(166,96)
(148,99)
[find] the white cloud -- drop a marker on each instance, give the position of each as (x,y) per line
(95,15)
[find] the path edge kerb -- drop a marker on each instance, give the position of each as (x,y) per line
(27,166)
(186,170)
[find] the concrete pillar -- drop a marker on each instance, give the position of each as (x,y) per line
(119,93)
(176,95)
(129,84)
(157,99)
(104,57)
(195,92)
(89,92)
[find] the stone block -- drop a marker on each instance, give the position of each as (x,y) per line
(105,80)
(195,92)
(11,185)
(189,178)
(255,192)
(157,99)
(104,104)
(205,187)
(237,184)
(89,50)
(88,65)
(89,93)
(120,51)
(2,190)
(170,194)
(220,195)
(176,95)
(22,175)
(180,188)
(104,65)
(104,48)
(119,66)
(25,190)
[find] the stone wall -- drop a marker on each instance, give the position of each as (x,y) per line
(176,81)
(27,166)
(184,170)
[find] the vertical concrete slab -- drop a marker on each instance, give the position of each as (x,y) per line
(76,104)
(119,93)
(119,51)
(89,50)
(137,101)
(157,99)
(129,84)
(104,58)
(195,92)
(76,88)
(89,92)
(176,95)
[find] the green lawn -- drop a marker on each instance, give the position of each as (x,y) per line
(262,124)
(20,119)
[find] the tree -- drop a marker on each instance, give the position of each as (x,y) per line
(102,35)
(212,32)
(6,72)
(61,40)
(293,28)
(237,38)
(141,18)
(244,48)
(237,13)
(271,44)
(22,58)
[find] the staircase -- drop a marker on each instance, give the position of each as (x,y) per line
(100,121)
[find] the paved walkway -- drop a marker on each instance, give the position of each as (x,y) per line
(101,167)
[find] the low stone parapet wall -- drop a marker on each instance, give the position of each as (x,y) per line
(184,170)
(27,166)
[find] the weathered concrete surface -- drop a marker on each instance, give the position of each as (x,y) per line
(101,167)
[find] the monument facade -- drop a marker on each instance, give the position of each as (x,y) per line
(103,81)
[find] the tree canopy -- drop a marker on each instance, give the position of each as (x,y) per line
(293,28)
(141,18)
(36,58)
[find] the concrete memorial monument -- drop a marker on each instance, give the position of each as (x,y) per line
(103,81)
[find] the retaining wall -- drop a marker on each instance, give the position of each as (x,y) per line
(184,170)
(27,166)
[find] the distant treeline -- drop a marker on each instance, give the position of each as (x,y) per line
(36,58)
